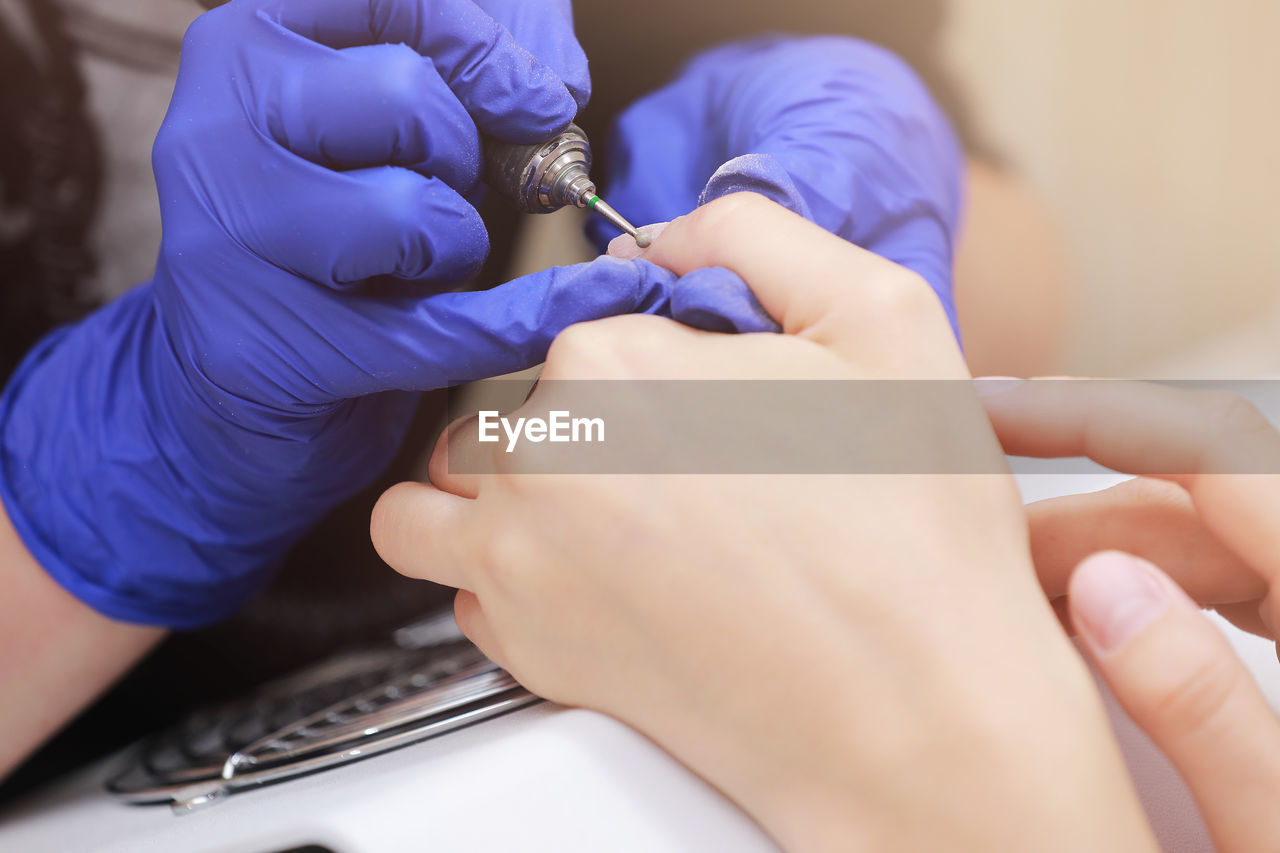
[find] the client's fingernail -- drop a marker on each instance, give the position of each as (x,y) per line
(650,233)
(989,386)
(628,248)
(624,248)
(1114,596)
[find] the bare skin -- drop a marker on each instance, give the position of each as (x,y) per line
(643,597)
(56,672)
(1202,539)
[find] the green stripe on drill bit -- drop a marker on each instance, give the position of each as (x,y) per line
(595,199)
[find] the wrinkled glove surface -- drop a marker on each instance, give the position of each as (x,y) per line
(313,172)
(838,130)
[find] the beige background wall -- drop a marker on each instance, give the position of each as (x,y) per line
(1151,130)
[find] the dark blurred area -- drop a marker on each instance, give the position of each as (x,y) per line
(636,47)
(333,591)
(50,179)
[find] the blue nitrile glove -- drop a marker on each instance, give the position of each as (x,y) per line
(159,457)
(839,130)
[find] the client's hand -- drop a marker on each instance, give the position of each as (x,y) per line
(1205,512)
(861,661)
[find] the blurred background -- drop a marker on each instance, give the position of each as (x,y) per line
(1148,129)
(1131,216)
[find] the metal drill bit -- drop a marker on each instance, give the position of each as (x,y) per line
(616,219)
(546,176)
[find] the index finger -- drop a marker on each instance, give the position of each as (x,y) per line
(1215,445)
(818,286)
(421,532)
(505,88)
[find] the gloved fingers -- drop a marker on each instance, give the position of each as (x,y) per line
(341,228)
(511,327)
(771,96)
(372,106)
(447,339)
(415,528)
(1181,682)
(716,299)
(527,20)
(713,299)
(713,132)
(451,338)
(388,336)
(849,121)
(510,93)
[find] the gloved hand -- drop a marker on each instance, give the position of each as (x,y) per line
(838,130)
(159,457)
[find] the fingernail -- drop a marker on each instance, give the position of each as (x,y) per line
(1114,596)
(652,232)
(989,386)
(624,248)
(628,249)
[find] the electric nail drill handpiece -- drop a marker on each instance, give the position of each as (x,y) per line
(546,176)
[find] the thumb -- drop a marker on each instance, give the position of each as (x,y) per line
(1180,681)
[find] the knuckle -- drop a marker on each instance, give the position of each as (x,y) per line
(612,348)
(579,344)
(167,137)
(1235,428)
(203,49)
(896,296)
(725,219)
(826,57)
(401,198)
(1196,701)
(507,467)
(403,77)
(467,615)
(507,559)
(221,361)
(1234,416)
(202,31)
(1149,492)
(846,52)
(382,519)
